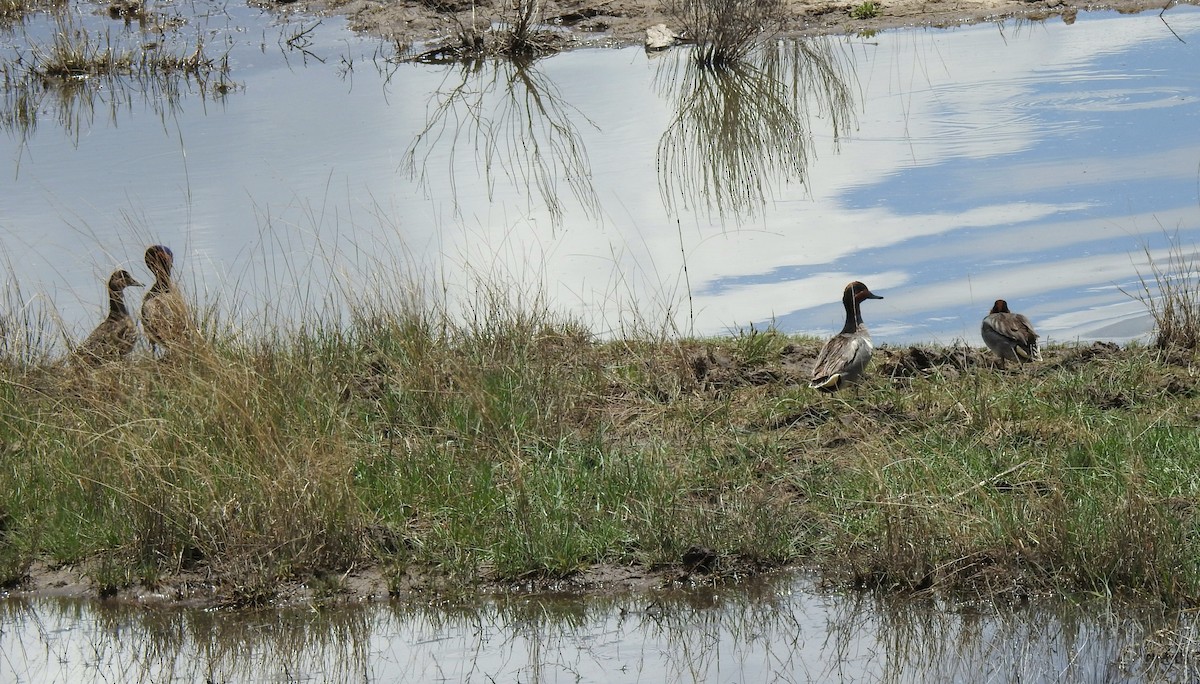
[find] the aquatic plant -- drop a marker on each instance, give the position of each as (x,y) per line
(76,68)
(15,11)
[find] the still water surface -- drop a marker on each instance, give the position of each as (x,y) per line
(946,168)
(781,630)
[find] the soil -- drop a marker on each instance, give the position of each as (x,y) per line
(424,24)
(365,584)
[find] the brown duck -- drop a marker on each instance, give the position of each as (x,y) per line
(1010,335)
(116,335)
(845,356)
(165,315)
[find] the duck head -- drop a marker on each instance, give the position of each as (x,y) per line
(122,279)
(160,259)
(857,291)
(1000,306)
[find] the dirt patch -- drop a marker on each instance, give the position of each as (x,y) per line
(598,23)
(697,567)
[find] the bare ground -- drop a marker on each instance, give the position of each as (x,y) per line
(599,23)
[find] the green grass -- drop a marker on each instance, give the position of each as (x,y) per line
(867,10)
(517,447)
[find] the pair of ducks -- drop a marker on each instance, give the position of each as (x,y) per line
(164,313)
(845,356)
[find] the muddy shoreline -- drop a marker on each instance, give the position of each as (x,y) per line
(367,584)
(617,23)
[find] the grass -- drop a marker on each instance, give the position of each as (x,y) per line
(73,70)
(13,12)
(867,10)
(514,30)
(1171,293)
(75,53)
(513,445)
(727,31)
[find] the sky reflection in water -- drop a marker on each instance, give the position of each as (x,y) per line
(946,168)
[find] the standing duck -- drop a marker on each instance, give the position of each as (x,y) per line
(845,356)
(1010,335)
(116,335)
(164,313)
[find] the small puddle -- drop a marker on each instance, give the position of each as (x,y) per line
(777,630)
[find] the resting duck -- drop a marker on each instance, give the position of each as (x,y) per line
(845,356)
(164,313)
(116,335)
(1010,335)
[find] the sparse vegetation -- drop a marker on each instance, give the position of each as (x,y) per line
(65,74)
(15,11)
(867,10)
(1171,293)
(516,30)
(513,445)
(727,31)
(74,52)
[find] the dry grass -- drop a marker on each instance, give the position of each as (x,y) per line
(511,445)
(1171,293)
(727,31)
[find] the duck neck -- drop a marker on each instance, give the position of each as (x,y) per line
(116,303)
(853,315)
(162,282)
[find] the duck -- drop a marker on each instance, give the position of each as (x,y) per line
(1010,335)
(845,356)
(116,336)
(165,315)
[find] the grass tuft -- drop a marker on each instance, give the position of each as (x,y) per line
(866,10)
(1171,293)
(726,31)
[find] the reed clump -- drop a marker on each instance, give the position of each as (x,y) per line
(727,31)
(13,12)
(1171,293)
(511,444)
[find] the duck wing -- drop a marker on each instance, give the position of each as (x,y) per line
(1012,329)
(842,359)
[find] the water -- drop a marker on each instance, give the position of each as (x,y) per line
(946,168)
(779,630)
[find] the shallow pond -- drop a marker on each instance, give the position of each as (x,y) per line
(779,630)
(1035,162)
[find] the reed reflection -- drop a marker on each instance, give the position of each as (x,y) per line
(777,629)
(1052,639)
(743,130)
(133,643)
(513,120)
